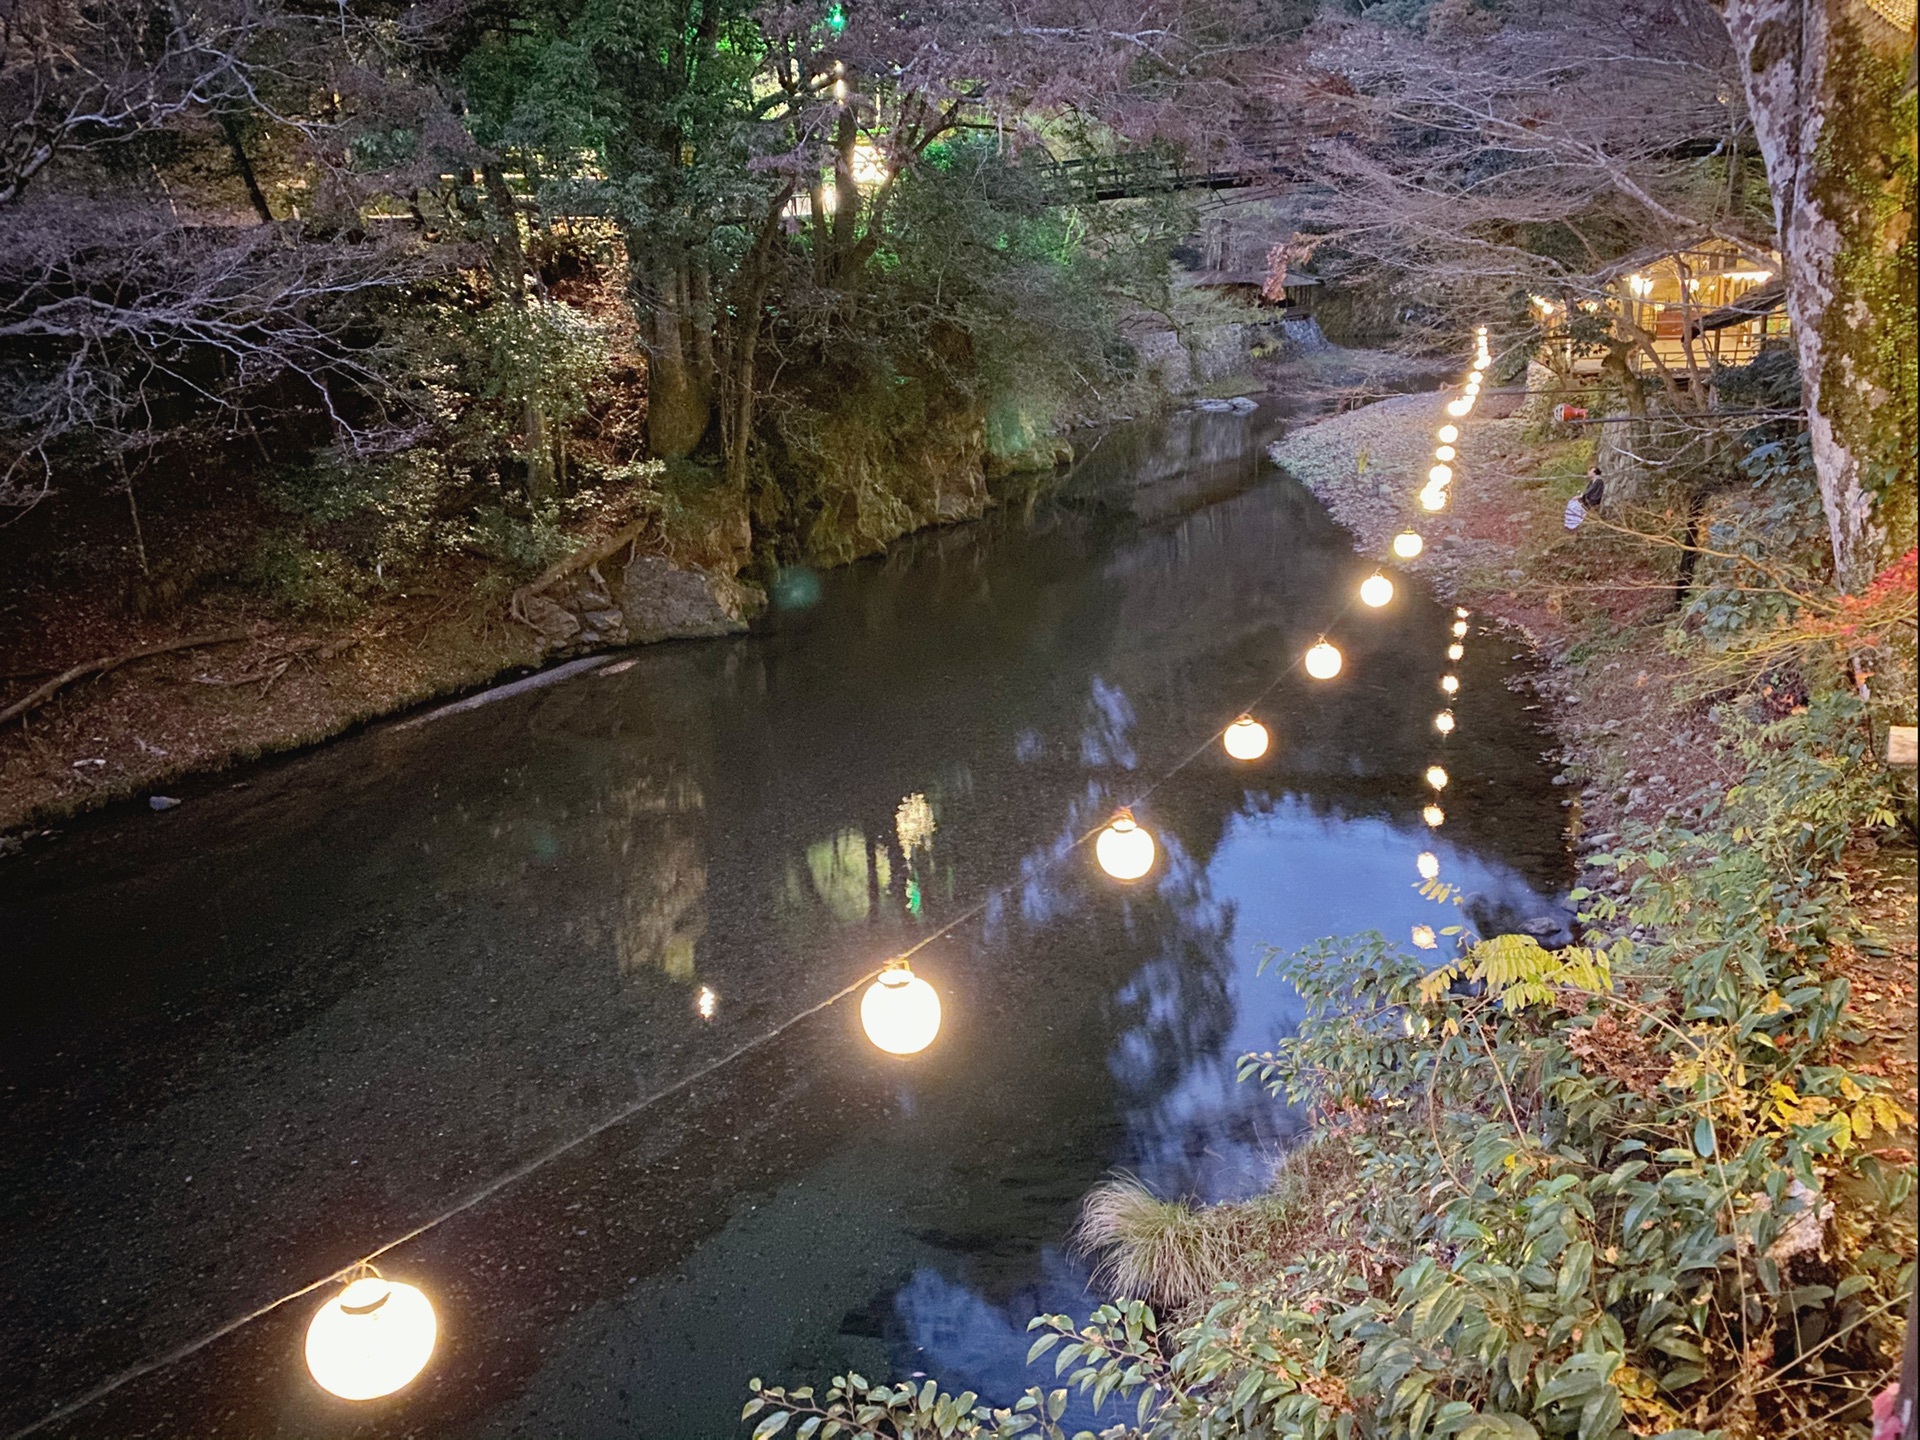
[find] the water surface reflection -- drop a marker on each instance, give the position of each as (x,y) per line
(264,1031)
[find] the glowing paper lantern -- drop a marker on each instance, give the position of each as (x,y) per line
(1444,452)
(1450,684)
(1376,590)
(1459,408)
(1434,816)
(1423,937)
(1455,651)
(1460,612)
(1433,498)
(900,1012)
(1124,850)
(370,1339)
(1245,739)
(1440,475)
(1323,661)
(1460,628)
(1443,722)
(1436,777)
(1479,362)
(1428,865)
(1447,434)
(1407,544)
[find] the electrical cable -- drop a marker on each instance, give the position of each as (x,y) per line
(520,1172)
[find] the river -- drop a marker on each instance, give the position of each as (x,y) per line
(252,1038)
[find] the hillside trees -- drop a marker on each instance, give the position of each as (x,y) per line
(1554,151)
(146,282)
(755,161)
(1545,156)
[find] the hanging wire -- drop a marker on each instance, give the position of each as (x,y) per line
(520,1172)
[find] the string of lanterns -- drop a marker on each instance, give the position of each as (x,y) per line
(375,1334)
(1433,497)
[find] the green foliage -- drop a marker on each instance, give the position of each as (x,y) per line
(1587,1193)
(854,1406)
(315,582)
(542,353)
(1812,784)
(524,544)
(1778,534)
(974,244)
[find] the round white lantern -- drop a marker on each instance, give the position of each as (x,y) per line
(370,1339)
(1434,816)
(1460,629)
(1440,475)
(1434,497)
(1443,722)
(1436,777)
(1323,661)
(1447,434)
(1456,650)
(1124,849)
(1245,739)
(1428,865)
(1443,452)
(1376,590)
(1450,684)
(900,1012)
(1408,545)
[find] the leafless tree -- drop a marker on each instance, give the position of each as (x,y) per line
(1549,156)
(129,309)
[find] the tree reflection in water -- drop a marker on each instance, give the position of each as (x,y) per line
(400,965)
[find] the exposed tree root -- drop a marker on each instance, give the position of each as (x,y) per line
(35,698)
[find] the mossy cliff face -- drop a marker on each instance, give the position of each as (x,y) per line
(1834,113)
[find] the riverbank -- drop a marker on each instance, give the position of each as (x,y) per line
(1724,1090)
(1645,740)
(117,701)
(201,670)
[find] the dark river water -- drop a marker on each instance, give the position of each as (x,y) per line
(250,1039)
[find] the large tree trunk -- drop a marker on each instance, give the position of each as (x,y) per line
(510,270)
(679,391)
(1829,86)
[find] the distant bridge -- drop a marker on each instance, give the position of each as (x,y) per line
(1133,177)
